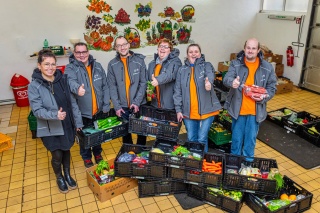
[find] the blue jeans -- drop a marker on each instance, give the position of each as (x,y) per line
(244,135)
(197,130)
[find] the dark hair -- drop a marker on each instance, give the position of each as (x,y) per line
(245,43)
(115,41)
(80,44)
(45,54)
(193,45)
(165,40)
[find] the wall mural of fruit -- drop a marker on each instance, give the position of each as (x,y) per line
(122,17)
(143,10)
(98,6)
(187,12)
(133,37)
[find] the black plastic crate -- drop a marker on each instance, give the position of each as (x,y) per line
(276,116)
(248,183)
(163,125)
(177,161)
(291,187)
(87,140)
(225,119)
(216,200)
(224,148)
(160,188)
(136,170)
(310,135)
(219,84)
(197,177)
(295,127)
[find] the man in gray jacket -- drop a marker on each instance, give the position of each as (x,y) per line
(127,82)
(247,113)
(88,81)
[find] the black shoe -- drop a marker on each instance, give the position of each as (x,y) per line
(98,158)
(88,163)
(62,185)
(69,180)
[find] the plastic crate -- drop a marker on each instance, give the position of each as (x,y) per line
(222,119)
(219,201)
(309,135)
(160,188)
(202,178)
(138,171)
(247,183)
(5,142)
(87,140)
(177,161)
(164,124)
(32,120)
(278,119)
(296,206)
(295,127)
(219,84)
(224,148)
(219,137)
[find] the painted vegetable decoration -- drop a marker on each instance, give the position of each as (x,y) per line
(143,10)
(122,17)
(98,6)
(187,12)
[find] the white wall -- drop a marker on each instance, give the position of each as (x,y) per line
(279,34)
(221,28)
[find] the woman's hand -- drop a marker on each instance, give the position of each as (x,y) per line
(61,114)
(179,116)
(207,84)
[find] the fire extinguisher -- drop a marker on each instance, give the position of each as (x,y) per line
(290,57)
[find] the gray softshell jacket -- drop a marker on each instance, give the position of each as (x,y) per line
(78,75)
(116,80)
(208,101)
(166,78)
(264,77)
(45,108)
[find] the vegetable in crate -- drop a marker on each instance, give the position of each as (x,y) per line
(212,167)
(150,91)
(107,123)
(126,157)
(184,152)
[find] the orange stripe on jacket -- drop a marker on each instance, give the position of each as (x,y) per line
(248,106)
(94,98)
(156,73)
(127,79)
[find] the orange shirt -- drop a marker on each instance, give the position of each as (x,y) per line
(194,104)
(248,106)
(156,73)
(94,98)
(127,79)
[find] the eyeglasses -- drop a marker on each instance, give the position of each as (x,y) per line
(81,53)
(121,45)
(163,47)
(48,65)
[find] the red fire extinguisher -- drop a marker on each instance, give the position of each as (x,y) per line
(290,57)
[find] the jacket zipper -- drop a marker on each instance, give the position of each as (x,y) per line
(196,82)
(48,126)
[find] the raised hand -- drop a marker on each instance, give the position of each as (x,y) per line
(81,90)
(154,81)
(61,114)
(207,84)
(236,82)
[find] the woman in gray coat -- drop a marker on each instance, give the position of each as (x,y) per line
(57,115)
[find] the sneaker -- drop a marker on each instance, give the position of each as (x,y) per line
(88,163)
(98,158)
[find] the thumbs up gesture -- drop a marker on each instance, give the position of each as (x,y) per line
(154,81)
(61,114)
(236,82)
(207,84)
(81,90)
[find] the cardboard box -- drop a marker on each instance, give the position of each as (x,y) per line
(112,189)
(233,56)
(222,67)
(285,86)
(277,58)
(279,69)
(268,57)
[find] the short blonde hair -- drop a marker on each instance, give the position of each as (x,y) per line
(165,40)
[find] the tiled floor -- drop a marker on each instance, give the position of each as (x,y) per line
(28,183)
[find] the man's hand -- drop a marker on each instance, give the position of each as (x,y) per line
(61,114)
(81,90)
(135,108)
(154,81)
(179,116)
(119,112)
(236,82)
(207,84)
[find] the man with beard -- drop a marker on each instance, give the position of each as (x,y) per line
(127,81)
(248,69)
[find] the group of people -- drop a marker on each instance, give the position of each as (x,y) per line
(65,103)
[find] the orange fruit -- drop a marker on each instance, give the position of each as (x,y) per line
(292,197)
(284,197)
(131,153)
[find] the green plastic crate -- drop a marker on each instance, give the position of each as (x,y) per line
(219,137)
(32,121)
